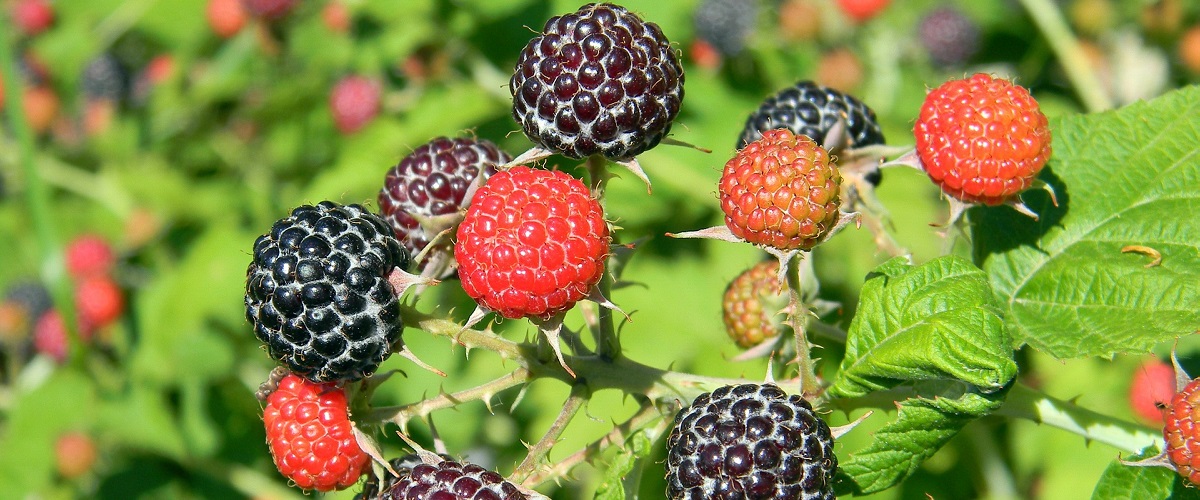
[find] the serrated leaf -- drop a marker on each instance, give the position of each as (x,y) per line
(922,426)
(613,486)
(1127,177)
(1121,481)
(928,322)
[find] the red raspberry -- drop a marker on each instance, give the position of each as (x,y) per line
(336,17)
(89,255)
(533,243)
(1189,49)
(752,303)
(41,108)
(781,191)
(1180,432)
(311,436)
(982,139)
(99,301)
(1153,385)
(862,10)
(226,17)
(50,336)
(32,16)
(75,454)
(354,102)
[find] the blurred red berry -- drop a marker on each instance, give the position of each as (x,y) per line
(354,102)
(862,10)
(75,454)
(41,108)
(226,17)
(89,255)
(50,336)
(1153,385)
(99,301)
(336,17)
(32,16)
(1189,49)
(270,10)
(705,55)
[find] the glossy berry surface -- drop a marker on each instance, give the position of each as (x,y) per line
(781,191)
(810,109)
(1182,432)
(750,441)
(354,102)
(597,81)
(533,243)
(949,36)
(751,304)
(311,437)
(431,181)
(982,139)
(318,294)
(450,480)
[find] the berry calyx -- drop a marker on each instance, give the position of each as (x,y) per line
(311,437)
(317,291)
(750,441)
(982,139)
(781,191)
(752,304)
(597,81)
(354,102)
(532,244)
(1180,432)
(432,182)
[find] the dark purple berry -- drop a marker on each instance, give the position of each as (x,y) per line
(448,480)
(726,24)
(950,37)
(597,81)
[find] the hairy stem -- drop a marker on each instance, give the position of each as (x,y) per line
(646,414)
(798,313)
(539,451)
(401,415)
(1030,404)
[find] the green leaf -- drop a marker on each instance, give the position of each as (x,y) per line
(922,426)
(614,484)
(928,322)
(1141,483)
(1127,177)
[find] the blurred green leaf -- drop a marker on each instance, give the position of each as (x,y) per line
(934,321)
(64,401)
(617,479)
(142,419)
(1141,483)
(922,426)
(1127,177)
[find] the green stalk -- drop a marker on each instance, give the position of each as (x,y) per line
(1049,19)
(607,343)
(798,316)
(1030,404)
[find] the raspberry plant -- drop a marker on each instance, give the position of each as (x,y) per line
(973,359)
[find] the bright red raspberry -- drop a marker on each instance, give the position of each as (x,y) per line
(781,191)
(226,17)
(50,336)
(862,10)
(982,139)
(32,16)
(89,255)
(354,102)
(533,243)
(75,454)
(1181,431)
(1153,385)
(99,301)
(752,304)
(311,437)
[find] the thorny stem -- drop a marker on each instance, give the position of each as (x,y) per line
(401,415)
(1031,404)
(798,313)
(607,343)
(539,451)
(646,414)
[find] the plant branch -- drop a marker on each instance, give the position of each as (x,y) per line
(539,451)
(798,312)
(1030,404)
(646,414)
(1049,19)
(401,415)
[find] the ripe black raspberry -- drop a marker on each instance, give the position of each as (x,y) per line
(807,108)
(750,441)
(597,81)
(431,181)
(726,24)
(373,487)
(451,480)
(104,78)
(318,294)
(949,36)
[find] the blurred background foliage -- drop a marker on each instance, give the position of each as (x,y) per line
(208,139)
